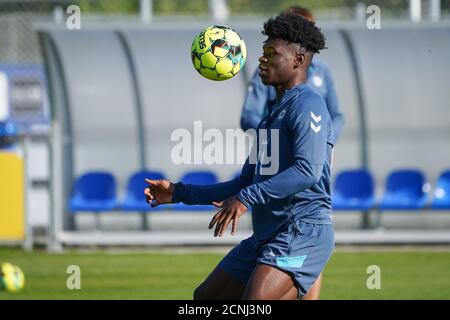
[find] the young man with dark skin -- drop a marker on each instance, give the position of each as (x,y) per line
(320,80)
(290,198)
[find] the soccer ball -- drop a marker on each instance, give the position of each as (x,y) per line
(11,277)
(218,53)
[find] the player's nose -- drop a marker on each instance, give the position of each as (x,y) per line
(262,59)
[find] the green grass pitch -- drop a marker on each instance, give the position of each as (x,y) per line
(418,274)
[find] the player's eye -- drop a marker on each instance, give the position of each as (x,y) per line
(268,54)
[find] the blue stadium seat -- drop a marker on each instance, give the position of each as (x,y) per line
(354,190)
(441,195)
(405,190)
(198,178)
(94,191)
(135,198)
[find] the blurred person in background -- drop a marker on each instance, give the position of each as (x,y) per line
(319,80)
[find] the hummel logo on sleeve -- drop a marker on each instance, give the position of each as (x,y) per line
(314,128)
(316,119)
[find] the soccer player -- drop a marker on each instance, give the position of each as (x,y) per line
(320,80)
(293,236)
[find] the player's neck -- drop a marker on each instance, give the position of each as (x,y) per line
(298,79)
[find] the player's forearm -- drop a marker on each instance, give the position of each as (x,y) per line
(254,103)
(338,126)
(196,194)
(332,102)
(250,120)
(296,178)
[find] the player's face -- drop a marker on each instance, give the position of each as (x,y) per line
(277,64)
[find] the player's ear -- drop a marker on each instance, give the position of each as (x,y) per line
(300,59)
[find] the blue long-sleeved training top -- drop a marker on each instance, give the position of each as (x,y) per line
(319,79)
(290,177)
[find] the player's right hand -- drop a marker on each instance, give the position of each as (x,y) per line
(159,192)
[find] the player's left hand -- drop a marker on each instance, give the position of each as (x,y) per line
(231,209)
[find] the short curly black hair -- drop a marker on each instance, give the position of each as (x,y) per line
(295,29)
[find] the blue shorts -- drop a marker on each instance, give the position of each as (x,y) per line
(302,250)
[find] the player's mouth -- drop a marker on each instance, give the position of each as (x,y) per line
(262,71)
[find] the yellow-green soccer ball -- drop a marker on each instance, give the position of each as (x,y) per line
(11,277)
(218,53)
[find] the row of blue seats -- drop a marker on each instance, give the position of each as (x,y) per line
(97,191)
(404,190)
(352,190)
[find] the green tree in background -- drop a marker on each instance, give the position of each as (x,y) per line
(238,7)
